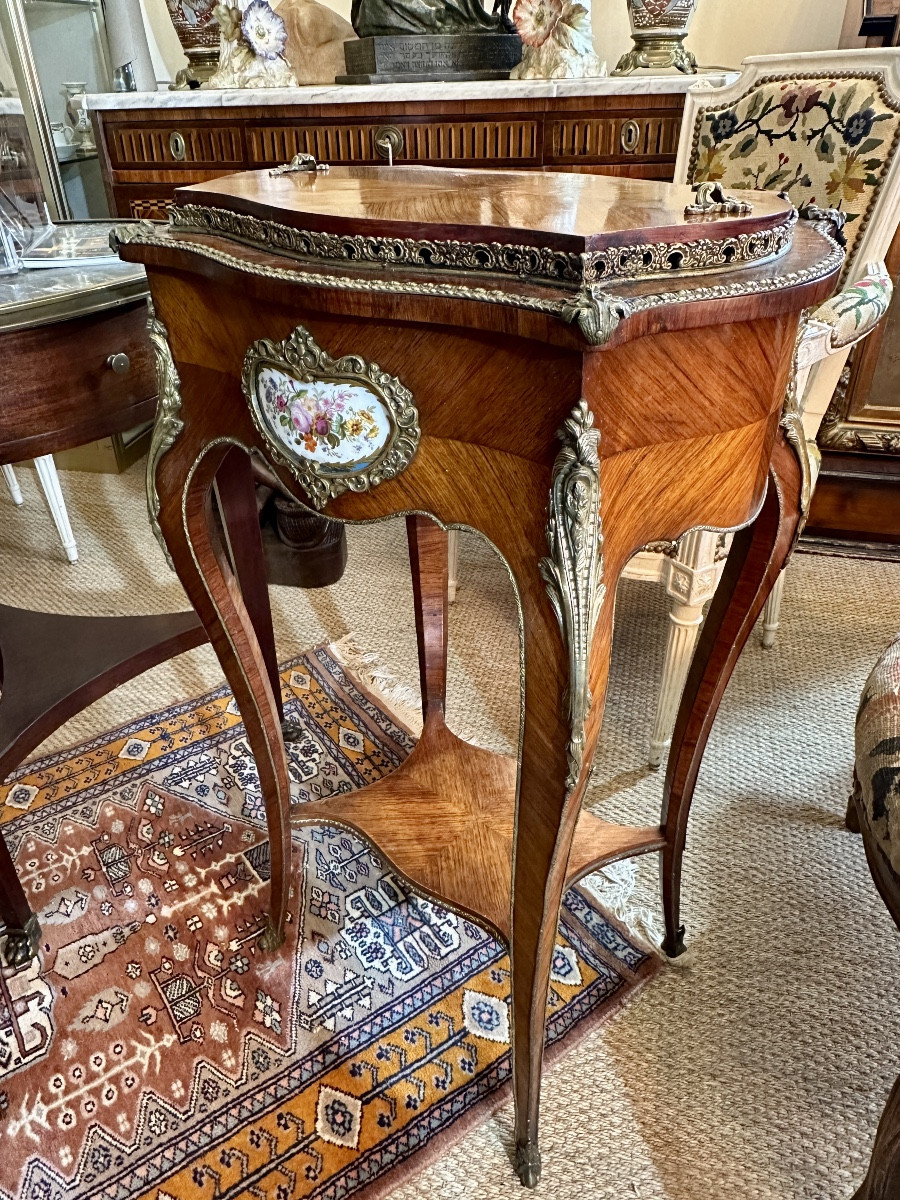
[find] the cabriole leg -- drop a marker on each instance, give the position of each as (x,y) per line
(428,560)
(550,795)
(236,496)
(213,589)
(566,633)
(757,556)
(549,803)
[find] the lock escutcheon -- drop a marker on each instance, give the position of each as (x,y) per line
(630,136)
(389,142)
(177,145)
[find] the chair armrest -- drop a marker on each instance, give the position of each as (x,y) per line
(847,317)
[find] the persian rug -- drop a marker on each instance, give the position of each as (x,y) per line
(152,1051)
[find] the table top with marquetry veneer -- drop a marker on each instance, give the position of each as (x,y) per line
(537,238)
(566,211)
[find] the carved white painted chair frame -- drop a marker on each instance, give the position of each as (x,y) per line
(49,481)
(691,576)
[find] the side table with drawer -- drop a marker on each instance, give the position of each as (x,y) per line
(77,364)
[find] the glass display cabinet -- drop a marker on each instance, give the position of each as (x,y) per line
(52,52)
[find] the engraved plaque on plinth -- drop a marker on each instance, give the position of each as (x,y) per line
(417,58)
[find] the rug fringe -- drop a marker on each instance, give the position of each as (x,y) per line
(400,698)
(613,886)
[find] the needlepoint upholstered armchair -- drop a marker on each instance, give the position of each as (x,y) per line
(874,811)
(823,128)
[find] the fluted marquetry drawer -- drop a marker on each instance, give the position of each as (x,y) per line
(509,142)
(171,146)
(608,138)
(148,153)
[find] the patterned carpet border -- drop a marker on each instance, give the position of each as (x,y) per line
(152,1052)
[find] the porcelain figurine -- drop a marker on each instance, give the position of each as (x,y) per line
(251,54)
(557,40)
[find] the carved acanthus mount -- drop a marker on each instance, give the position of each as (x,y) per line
(573,572)
(795,435)
(168,422)
(597,314)
(712,198)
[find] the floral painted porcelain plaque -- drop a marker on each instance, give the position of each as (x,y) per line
(338,424)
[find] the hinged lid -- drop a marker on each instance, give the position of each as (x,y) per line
(556,226)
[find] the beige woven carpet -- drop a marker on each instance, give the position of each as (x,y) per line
(760,1069)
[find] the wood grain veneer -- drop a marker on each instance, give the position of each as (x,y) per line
(686,396)
(38,416)
(562,210)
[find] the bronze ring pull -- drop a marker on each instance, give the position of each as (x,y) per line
(388,142)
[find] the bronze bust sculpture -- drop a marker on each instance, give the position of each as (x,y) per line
(385,18)
(415,40)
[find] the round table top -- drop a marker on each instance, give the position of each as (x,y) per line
(41,296)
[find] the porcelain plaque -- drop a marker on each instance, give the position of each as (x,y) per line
(337,424)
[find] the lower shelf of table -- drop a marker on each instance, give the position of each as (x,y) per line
(445,819)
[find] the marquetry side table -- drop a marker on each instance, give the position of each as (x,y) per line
(60,329)
(575,366)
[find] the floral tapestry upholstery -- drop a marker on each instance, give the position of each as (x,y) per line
(878,755)
(826,141)
(854,312)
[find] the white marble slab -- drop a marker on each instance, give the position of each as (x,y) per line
(53,283)
(36,296)
(11,106)
(396,93)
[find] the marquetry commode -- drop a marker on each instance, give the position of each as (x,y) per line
(573,366)
(151,143)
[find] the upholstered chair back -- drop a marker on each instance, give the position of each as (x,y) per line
(823,128)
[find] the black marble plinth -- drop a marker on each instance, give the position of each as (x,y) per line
(421,57)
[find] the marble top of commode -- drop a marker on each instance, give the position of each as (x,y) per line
(394,93)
